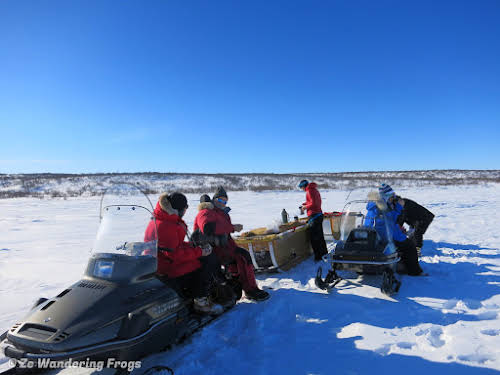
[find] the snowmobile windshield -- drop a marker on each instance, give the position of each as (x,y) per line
(127,224)
(365,213)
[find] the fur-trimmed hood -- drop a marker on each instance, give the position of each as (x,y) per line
(165,205)
(206,206)
(374,196)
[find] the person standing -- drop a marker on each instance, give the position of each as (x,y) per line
(312,206)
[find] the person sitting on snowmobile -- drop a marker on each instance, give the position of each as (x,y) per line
(213,221)
(179,261)
(386,207)
(415,216)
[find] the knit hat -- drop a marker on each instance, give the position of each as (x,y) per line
(178,201)
(220,193)
(204,198)
(303,183)
(386,192)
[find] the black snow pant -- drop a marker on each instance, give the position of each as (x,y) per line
(317,237)
(409,256)
(200,282)
(420,228)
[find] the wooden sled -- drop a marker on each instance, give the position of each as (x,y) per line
(278,251)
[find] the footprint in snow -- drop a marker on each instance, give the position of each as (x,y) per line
(450,304)
(487,315)
(436,204)
(473,304)
(420,332)
(434,337)
(37,221)
(490,332)
(4,249)
(406,345)
(383,350)
(476,357)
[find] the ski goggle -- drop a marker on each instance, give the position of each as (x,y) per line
(223,201)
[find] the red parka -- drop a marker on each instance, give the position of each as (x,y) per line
(223,227)
(177,257)
(313,200)
(227,253)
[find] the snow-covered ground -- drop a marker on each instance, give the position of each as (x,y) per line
(447,322)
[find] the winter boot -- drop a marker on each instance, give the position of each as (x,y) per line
(257,295)
(223,294)
(205,306)
(401,268)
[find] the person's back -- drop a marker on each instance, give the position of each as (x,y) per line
(414,212)
(416,216)
(176,257)
(378,212)
(178,260)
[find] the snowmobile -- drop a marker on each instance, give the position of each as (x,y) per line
(365,247)
(119,309)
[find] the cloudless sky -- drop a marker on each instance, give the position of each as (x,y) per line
(248,86)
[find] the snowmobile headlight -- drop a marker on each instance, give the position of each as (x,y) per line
(104,269)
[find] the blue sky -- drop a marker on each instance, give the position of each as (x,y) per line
(248,86)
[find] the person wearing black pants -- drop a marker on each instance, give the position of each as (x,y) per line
(199,283)
(409,257)
(313,207)
(317,236)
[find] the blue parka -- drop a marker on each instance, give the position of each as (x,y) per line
(375,218)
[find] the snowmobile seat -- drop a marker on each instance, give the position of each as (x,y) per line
(361,239)
(361,244)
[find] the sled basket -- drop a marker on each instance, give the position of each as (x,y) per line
(280,251)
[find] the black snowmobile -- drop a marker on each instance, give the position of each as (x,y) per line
(365,247)
(119,309)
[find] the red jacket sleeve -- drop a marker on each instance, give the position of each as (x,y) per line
(150,234)
(181,251)
(308,201)
(222,224)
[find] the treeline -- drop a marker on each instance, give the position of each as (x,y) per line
(44,185)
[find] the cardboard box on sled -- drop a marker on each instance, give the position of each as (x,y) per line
(278,251)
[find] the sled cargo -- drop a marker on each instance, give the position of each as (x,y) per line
(278,251)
